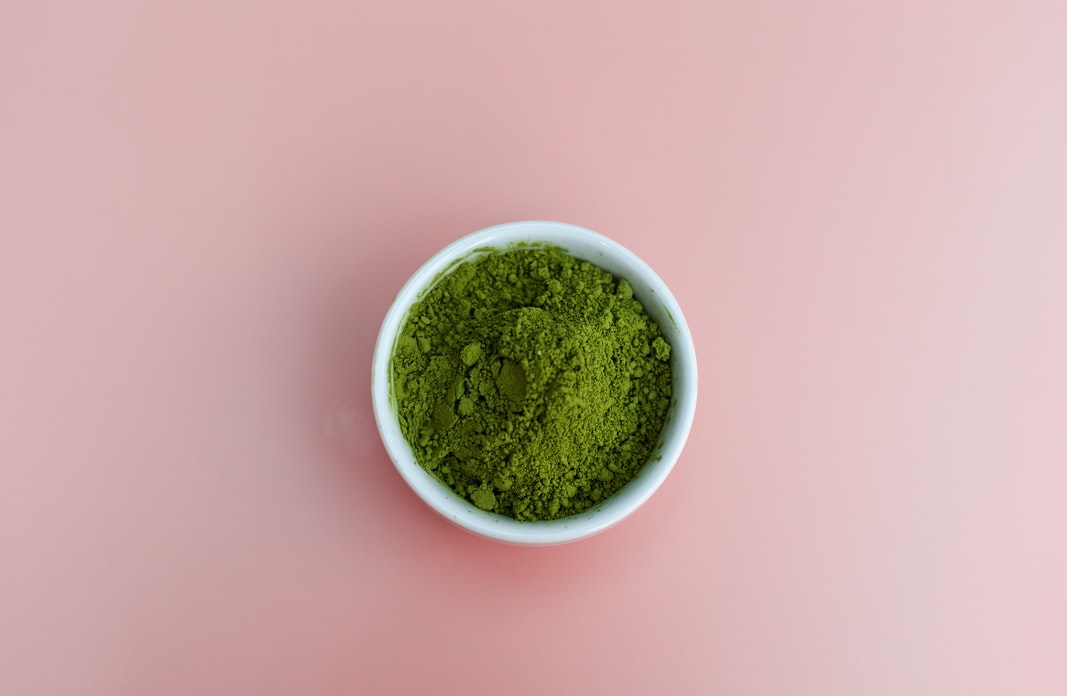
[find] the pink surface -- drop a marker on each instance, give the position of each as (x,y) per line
(206,207)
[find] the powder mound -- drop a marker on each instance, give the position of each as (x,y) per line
(531,383)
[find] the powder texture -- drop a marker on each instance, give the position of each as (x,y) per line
(531,383)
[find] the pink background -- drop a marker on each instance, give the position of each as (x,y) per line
(206,208)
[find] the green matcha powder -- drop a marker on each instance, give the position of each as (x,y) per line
(531,383)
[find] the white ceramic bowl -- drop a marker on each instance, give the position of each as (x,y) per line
(660,306)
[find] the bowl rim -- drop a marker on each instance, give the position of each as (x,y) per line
(622,504)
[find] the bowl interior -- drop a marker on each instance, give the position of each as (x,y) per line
(658,303)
